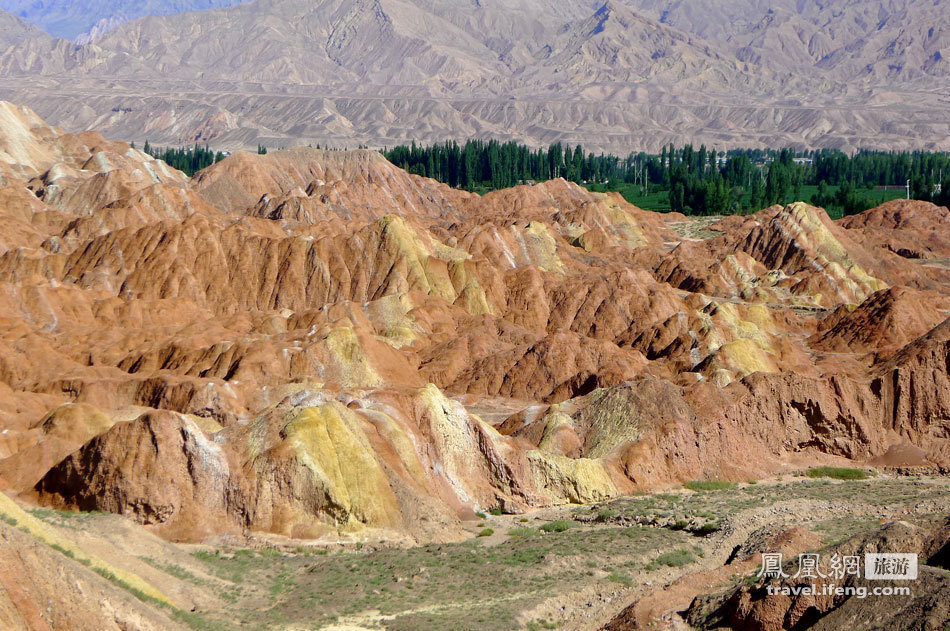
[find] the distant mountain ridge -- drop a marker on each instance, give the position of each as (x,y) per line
(14,30)
(87,19)
(615,75)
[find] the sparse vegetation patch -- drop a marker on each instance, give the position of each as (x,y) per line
(838,473)
(710,485)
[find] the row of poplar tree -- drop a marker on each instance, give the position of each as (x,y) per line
(190,160)
(696,180)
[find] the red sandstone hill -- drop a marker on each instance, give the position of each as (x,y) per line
(911,229)
(281,343)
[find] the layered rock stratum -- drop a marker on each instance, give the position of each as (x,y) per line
(312,342)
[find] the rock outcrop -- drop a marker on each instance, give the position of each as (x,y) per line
(746,608)
(908,228)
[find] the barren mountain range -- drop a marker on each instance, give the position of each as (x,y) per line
(622,75)
(85,20)
(14,30)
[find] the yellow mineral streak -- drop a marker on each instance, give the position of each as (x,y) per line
(542,248)
(348,361)
(743,357)
(805,223)
(399,337)
(391,311)
(847,287)
(870,282)
(568,480)
(571,230)
(401,442)
(624,223)
(613,423)
(418,251)
(740,276)
(855,280)
(708,331)
(459,457)
(390,317)
(753,322)
(205,424)
(10,511)
(553,421)
(330,442)
(471,295)
(76,420)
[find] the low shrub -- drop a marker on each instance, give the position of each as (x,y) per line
(676,558)
(623,579)
(521,531)
(709,527)
(838,473)
(709,485)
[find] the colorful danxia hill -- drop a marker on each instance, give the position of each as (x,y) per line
(318,345)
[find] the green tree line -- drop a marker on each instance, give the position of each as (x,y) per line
(493,165)
(190,160)
(684,179)
(693,181)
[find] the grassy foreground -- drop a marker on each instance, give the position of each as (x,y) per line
(531,571)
